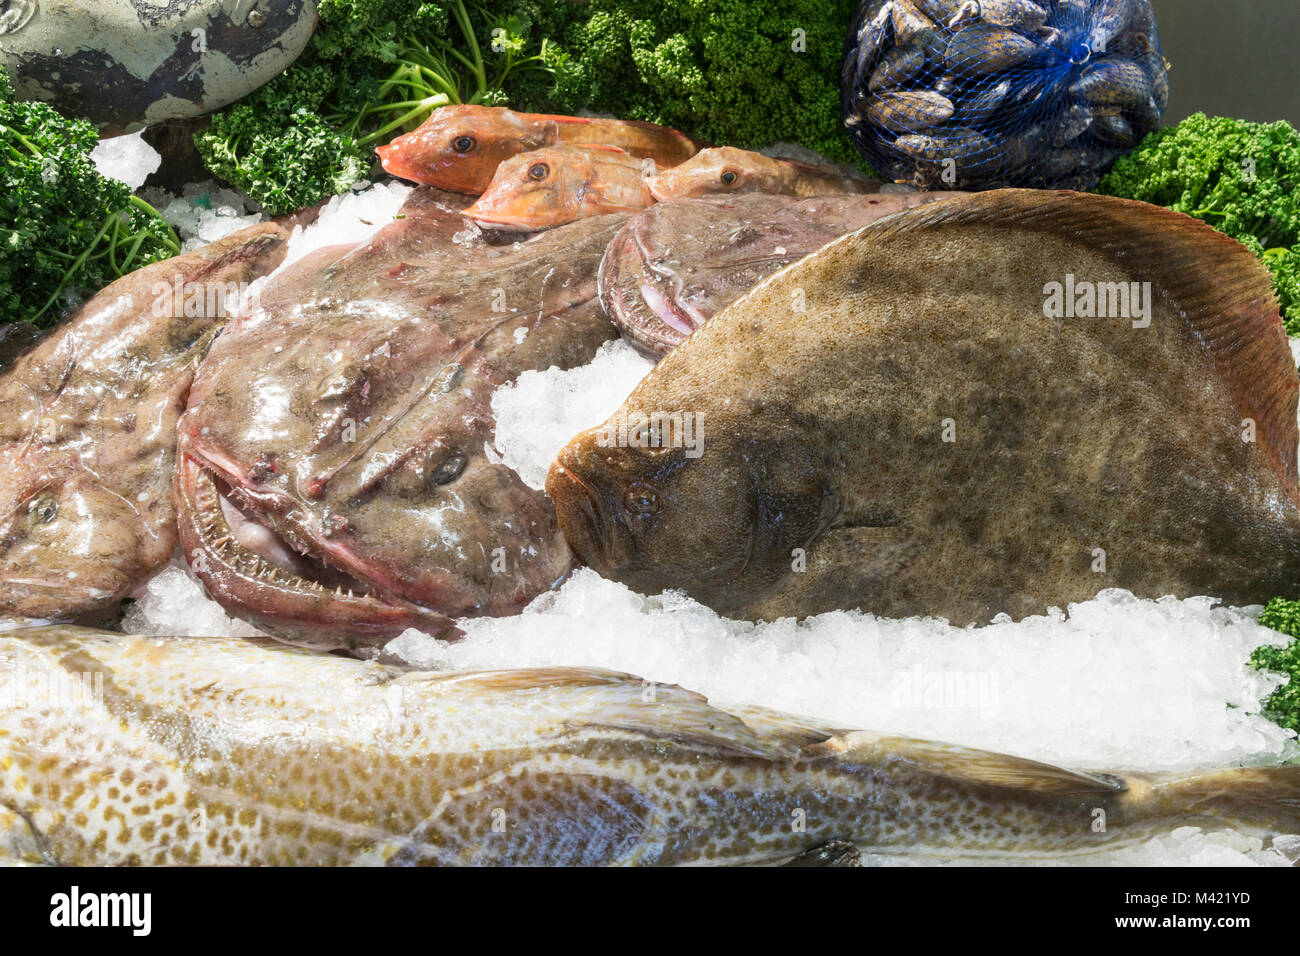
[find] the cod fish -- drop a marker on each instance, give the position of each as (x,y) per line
(133,750)
(560,184)
(460,147)
(333,485)
(728,170)
(677,263)
(88,429)
(999,403)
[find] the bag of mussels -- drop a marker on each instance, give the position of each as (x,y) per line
(980,94)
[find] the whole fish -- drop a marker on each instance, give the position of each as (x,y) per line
(729,170)
(676,264)
(88,429)
(559,184)
(334,486)
(132,750)
(460,147)
(1000,403)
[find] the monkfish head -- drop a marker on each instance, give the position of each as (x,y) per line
(69,547)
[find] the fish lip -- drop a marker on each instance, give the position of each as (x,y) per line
(374,592)
(597,534)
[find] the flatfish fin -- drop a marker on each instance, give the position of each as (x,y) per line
(1217,285)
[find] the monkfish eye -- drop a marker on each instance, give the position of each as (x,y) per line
(641,500)
(43,510)
(463,144)
(449,470)
(729,177)
(538,171)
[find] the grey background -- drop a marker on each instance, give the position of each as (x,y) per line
(1232,58)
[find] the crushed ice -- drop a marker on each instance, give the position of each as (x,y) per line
(1115,682)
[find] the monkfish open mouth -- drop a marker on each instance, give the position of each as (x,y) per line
(258,572)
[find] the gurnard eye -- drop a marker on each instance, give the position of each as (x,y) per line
(538,171)
(640,500)
(463,144)
(729,177)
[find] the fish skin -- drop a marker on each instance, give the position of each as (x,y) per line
(752,172)
(822,429)
(88,432)
(674,265)
(428,154)
(562,184)
(349,417)
(233,751)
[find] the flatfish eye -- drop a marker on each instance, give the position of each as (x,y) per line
(729,177)
(538,171)
(14,14)
(463,144)
(449,470)
(640,500)
(43,510)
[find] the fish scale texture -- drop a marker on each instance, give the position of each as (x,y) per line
(976,94)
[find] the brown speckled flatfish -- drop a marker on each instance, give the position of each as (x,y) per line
(963,410)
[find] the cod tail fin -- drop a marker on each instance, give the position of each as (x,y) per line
(1260,798)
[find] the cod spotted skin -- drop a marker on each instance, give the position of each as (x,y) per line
(673,266)
(907,423)
(88,430)
(132,750)
(334,487)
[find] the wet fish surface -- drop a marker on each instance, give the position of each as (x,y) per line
(913,421)
(560,184)
(725,169)
(88,429)
(460,147)
(334,486)
(673,266)
(133,750)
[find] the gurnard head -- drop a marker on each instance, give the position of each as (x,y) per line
(657,502)
(561,184)
(460,147)
(720,170)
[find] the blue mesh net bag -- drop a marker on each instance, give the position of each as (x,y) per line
(979,94)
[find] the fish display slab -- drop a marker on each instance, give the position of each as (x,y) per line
(131,750)
(335,486)
(88,429)
(677,263)
(920,420)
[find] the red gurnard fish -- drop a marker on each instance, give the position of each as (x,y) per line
(549,187)
(460,147)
